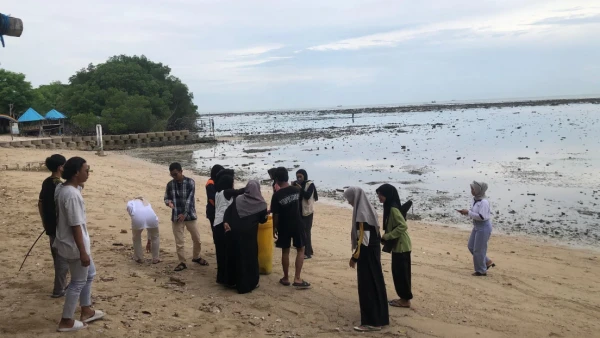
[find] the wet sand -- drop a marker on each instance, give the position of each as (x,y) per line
(537,289)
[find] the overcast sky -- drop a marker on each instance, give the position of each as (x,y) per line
(276,54)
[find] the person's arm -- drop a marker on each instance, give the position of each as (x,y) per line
(210,194)
(480,211)
(78,236)
(309,192)
(361,235)
(168,197)
(190,198)
(229,193)
(263,217)
(400,225)
(228,217)
(275,211)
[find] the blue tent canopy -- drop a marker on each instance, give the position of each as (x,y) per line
(55,115)
(31,116)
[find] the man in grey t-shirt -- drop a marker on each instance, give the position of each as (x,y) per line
(73,244)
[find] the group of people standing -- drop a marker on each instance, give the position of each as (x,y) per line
(234,216)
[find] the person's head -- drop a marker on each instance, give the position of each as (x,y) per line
(272,173)
(75,170)
(352,195)
(214,171)
(176,171)
(224,182)
(301,176)
(225,172)
(281,175)
(388,195)
(478,189)
(55,163)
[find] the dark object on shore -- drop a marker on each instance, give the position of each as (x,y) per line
(523,158)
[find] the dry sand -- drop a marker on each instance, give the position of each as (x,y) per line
(537,289)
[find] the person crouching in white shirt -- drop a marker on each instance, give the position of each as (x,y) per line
(143,217)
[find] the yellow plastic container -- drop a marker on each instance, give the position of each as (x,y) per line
(265,247)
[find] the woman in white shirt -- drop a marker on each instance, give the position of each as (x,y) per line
(143,217)
(480,213)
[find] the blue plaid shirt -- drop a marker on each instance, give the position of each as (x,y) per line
(182,194)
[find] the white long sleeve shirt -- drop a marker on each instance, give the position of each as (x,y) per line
(481,211)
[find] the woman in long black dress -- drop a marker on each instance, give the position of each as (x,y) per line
(366,241)
(241,227)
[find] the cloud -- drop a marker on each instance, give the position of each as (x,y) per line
(570,20)
(514,24)
(257,50)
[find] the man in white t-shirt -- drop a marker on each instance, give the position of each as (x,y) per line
(73,244)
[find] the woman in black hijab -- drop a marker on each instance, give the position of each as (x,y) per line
(398,242)
(309,197)
(210,194)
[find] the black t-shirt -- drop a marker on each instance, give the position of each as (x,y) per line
(286,204)
(48,204)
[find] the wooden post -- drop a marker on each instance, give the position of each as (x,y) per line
(15,27)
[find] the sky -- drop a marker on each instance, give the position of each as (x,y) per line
(247,55)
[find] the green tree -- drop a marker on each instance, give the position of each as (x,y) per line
(15,90)
(48,97)
(130,94)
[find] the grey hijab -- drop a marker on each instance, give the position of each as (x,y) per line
(251,202)
(363,211)
(479,188)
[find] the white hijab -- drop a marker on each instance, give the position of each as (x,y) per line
(363,212)
(144,201)
(479,188)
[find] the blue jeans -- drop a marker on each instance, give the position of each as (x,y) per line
(80,287)
(478,243)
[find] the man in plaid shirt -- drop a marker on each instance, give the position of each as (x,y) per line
(180,196)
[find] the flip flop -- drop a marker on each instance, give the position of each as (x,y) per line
(490,266)
(77,325)
(302,286)
(200,261)
(479,274)
(366,328)
(97,315)
(180,267)
(284,283)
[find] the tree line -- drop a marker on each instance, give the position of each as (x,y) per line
(126,94)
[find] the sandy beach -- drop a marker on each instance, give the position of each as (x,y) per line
(536,290)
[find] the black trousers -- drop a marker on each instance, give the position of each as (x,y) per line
(401,274)
(308,221)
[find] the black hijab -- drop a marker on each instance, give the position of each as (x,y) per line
(214,171)
(224,182)
(303,172)
(392,200)
(228,172)
(272,172)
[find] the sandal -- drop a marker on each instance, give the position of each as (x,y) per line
(367,328)
(490,266)
(77,325)
(302,286)
(180,267)
(479,274)
(200,261)
(156,261)
(396,303)
(284,283)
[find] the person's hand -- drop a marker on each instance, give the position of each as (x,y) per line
(171,205)
(181,218)
(352,263)
(148,246)
(463,212)
(85,259)
(275,233)
(227,227)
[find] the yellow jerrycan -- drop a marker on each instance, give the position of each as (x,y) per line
(265,247)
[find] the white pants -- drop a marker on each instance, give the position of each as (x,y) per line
(138,249)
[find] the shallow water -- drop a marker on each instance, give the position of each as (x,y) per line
(433,156)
